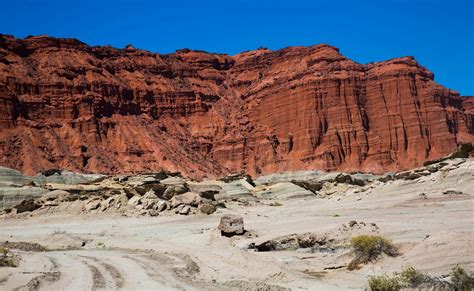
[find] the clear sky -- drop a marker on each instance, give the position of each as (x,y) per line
(440,34)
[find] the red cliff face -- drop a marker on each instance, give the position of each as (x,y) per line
(67,105)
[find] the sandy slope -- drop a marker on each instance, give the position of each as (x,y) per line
(186,252)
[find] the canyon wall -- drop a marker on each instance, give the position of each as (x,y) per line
(64,104)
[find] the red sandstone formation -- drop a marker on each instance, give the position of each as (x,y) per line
(67,105)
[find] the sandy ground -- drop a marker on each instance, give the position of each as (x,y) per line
(433,234)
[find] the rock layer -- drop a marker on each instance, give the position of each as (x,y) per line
(64,104)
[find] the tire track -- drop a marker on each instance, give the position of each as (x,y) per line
(98,280)
(148,268)
(114,272)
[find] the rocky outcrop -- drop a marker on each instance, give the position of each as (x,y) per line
(64,104)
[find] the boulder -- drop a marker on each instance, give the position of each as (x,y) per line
(313,186)
(207,208)
(188,198)
(348,179)
(209,194)
(160,205)
(174,190)
(135,200)
(231,225)
(150,195)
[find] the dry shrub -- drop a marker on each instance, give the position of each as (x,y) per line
(368,248)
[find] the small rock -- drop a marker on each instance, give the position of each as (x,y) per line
(185,210)
(135,200)
(352,223)
(358,198)
(178,208)
(207,208)
(160,205)
(231,225)
(153,212)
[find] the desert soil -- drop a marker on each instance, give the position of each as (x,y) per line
(434,232)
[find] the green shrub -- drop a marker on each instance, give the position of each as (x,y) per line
(411,277)
(383,283)
(368,248)
(7,259)
(461,279)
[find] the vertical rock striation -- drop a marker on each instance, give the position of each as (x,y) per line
(64,104)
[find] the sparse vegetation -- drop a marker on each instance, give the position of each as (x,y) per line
(58,231)
(411,277)
(7,259)
(383,283)
(368,248)
(461,279)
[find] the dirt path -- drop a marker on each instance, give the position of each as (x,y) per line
(434,232)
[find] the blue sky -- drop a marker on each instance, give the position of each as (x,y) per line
(440,34)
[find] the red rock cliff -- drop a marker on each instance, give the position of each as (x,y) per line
(64,104)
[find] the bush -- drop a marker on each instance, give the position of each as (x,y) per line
(461,279)
(412,277)
(368,248)
(7,259)
(383,283)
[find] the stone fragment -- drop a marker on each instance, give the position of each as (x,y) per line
(188,198)
(207,208)
(231,225)
(135,200)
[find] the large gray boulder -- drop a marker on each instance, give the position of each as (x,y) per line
(231,225)
(207,208)
(188,198)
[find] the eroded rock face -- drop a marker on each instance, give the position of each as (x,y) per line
(67,105)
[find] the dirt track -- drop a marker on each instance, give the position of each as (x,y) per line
(433,233)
